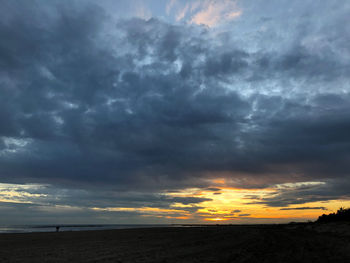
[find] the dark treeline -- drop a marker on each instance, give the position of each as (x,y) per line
(343,214)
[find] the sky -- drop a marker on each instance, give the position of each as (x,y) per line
(174,111)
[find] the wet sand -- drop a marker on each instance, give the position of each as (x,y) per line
(264,243)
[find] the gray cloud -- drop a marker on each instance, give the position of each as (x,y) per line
(189,200)
(13,214)
(305,208)
(92,103)
(305,193)
(244,215)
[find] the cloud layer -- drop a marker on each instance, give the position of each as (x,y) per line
(89,102)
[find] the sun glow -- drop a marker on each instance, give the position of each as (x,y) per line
(237,205)
(216,219)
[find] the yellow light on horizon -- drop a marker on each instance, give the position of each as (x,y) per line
(216,219)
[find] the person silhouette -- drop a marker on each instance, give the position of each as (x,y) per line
(57,228)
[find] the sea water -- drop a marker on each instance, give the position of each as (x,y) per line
(52,228)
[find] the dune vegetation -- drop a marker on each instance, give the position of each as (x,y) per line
(342,215)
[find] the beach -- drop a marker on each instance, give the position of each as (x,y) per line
(255,243)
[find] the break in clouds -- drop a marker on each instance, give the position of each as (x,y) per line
(106,112)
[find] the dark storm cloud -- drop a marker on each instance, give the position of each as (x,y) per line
(87,102)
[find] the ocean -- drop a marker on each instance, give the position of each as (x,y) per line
(52,228)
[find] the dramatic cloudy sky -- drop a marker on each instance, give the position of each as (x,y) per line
(173,111)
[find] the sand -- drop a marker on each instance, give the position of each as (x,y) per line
(269,243)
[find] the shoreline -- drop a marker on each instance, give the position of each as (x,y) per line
(13,229)
(96,227)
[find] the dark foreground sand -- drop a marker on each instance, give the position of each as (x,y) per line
(283,243)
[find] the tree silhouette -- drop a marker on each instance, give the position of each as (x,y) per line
(343,214)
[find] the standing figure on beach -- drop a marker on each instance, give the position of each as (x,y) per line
(57,228)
